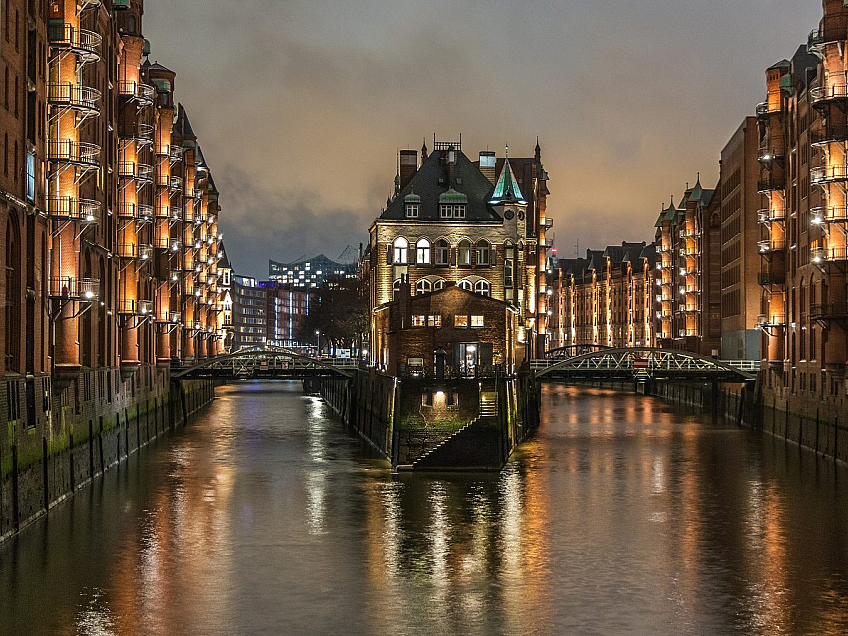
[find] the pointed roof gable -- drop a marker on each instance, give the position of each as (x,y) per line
(507,190)
(224,261)
(184,125)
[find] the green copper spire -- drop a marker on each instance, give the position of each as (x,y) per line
(507,190)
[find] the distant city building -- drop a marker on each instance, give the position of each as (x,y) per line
(225,268)
(249,313)
(287,308)
(314,272)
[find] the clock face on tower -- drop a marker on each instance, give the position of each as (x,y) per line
(508,215)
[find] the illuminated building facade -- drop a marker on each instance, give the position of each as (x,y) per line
(317,271)
(479,225)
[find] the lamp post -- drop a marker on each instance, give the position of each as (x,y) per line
(318,333)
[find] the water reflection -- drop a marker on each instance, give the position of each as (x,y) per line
(621,516)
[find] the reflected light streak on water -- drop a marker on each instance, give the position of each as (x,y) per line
(265,517)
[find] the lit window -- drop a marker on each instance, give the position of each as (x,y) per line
(434,321)
(476,321)
(423,287)
(460,321)
(401,247)
(466,285)
(508,273)
(419,321)
(483,288)
(422,252)
(483,252)
(464,253)
(442,252)
(439,284)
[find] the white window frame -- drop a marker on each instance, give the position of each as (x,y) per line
(422,252)
(400,251)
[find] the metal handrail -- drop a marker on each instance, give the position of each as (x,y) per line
(84,43)
(71,208)
(79,153)
(86,289)
(75,96)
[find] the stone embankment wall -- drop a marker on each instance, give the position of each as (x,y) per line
(421,424)
(52,444)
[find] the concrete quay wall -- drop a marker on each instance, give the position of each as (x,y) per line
(52,444)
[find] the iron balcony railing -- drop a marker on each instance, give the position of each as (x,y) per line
(767,246)
(85,289)
(73,209)
(769,215)
(771,183)
(136,212)
(80,98)
(828,214)
(771,320)
(138,91)
(133,307)
(828,255)
(832,29)
(823,135)
(176,154)
(83,43)
(176,183)
(76,153)
(140,133)
(135,251)
(771,150)
(135,171)
(829,174)
(771,277)
(763,110)
(829,311)
(821,94)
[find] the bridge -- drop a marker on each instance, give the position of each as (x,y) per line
(266,363)
(645,363)
(572,351)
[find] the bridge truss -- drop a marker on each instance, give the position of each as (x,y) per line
(643,363)
(272,363)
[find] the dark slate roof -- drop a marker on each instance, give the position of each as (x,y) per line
(158,67)
(183,126)
(224,261)
(426,184)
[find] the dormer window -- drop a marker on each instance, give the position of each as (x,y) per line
(455,211)
(412,210)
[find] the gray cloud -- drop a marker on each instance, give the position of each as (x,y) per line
(300,105)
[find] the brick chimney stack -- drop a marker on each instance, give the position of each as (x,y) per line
(408,166)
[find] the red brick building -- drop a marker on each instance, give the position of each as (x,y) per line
(477,333)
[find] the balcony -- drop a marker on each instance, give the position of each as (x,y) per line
(771,151)
(547,223)
(142,134)
(832,29)
(81,42)
(195,291)
(771,320)
(828,255)
(829,311)
(137,91)
(821,95)
(132,307)
(169,317)
(82,99)
(73,209)
(74,153)
(829,174)
(771,277)
(769,215)
(199,219)
(134,251)
(139,172)
(68,287)
(176,154)
(770,184)
(768,246)
(830,214)
(763,110)
(135,212)
(823,135)
(176,184)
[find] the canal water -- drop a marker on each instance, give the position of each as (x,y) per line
(622,516)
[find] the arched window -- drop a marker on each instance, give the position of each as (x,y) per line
(483,288)
(422,252)
(396,289)
(423,286)
(508,273)
(13,284)
(509,249)
(401,256)
(442,252)
(483,257)
(466,285)
(439,284)
(464,253)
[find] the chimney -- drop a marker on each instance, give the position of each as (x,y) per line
(451,165)
(408,166)
(487,165)
(405,302)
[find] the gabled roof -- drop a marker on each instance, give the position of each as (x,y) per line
(224,261)
(507,190)
(432,181)
(667,214)
(183,126)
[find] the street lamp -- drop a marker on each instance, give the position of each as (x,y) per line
(318,333)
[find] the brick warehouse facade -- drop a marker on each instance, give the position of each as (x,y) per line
(109,237)
(479,225)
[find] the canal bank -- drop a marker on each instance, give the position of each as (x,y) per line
(54,443)
(435,425)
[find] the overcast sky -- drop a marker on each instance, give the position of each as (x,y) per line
(300,105)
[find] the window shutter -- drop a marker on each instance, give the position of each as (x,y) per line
(493,257)
(453,256)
